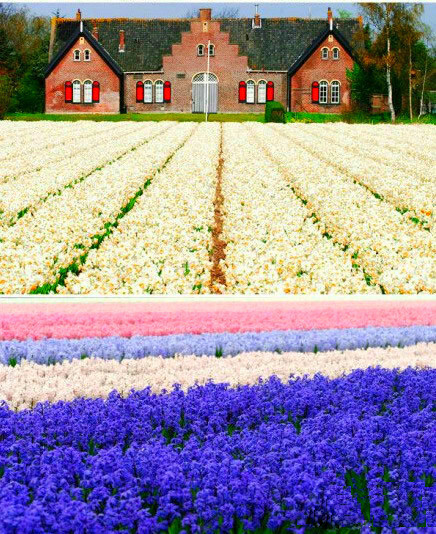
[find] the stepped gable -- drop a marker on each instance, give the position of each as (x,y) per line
(274,46)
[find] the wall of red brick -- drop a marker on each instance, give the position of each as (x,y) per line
(229,67)
(317,69)
(95,70)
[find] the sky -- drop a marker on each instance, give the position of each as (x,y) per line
(180,9)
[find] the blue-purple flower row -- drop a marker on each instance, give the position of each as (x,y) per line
(349,452)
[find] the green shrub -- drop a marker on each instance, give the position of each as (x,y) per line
(274,112)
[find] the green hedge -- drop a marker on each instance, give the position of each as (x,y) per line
(274,112)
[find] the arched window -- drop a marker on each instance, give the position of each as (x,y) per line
(96,92)
(200,50)
(250,92)
(242,93)
(87,55)
(159,91)
(76,92)
(261,92)
(139,91)
(270,91)
(68,92)
(315,92)
(167,92)
(335,53)
(87,92)
(148,92)
(323,91)
(76,55)
(324,53)
(211,50)
(335,92)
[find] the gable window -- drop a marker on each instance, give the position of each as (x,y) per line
(324,53)
(261,92)
(159,91)
(323,90)
(87,92)
(200,50)
(68,92)
(211,50)
(242,92)
(148,92)
(76,55)
(76,92)
(270,91)
(250,92)
(87,55)
(336,92)
(139,91)
(167,92)
(315,92)
(335,53)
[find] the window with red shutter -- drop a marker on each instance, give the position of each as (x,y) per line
(96,92)
(242,92)
(315,92)
(270,91)
(68,92)
(139,92)
(167,92)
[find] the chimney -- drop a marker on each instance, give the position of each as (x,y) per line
(79,15)
(95,32)
(360,19)
(330,18)
(122,42)
(205,14)
(256,21)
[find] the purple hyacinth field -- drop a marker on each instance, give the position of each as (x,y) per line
(328,430)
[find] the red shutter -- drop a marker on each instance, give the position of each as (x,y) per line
(315,92)
(167,92)
(270,91)
(68,92)
(96,92)
(242,92)
(139,92)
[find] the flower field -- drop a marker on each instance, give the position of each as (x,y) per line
(217,417)
(131,208)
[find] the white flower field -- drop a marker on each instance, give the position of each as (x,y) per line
(166,207)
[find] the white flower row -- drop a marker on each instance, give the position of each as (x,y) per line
(273,244)
(396,253)
(35,248)
(163,245)
(28,190)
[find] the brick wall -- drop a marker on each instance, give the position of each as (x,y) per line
(183,64)
(95,70)
(317,69)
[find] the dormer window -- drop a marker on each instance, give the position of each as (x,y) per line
(200,50)
(76,55)
(335,53)
(87,55)
(211,50)
(324,53)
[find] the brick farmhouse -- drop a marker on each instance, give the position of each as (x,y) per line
(184,65)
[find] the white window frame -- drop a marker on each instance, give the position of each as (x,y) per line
(335,50)
(87,92)
(211,50)
(261,99)
(250,98)
(335,98)
(202,50)
(158,97)
(77,91)
(322,52)
(87,50)
(148,98)
(323,99)
(76,52)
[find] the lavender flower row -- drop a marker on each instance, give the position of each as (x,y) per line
(56,350)
(357,451)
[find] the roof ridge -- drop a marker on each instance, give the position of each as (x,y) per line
(184,19)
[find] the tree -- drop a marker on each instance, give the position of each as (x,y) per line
(5,94)
(225,13)
(344,14)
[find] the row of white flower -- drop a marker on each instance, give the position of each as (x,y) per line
(28,190)
(34,249)
(273,244)
(163,245)
(396,253)
(413,190)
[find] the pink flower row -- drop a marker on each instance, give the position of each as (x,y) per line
(82,319)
